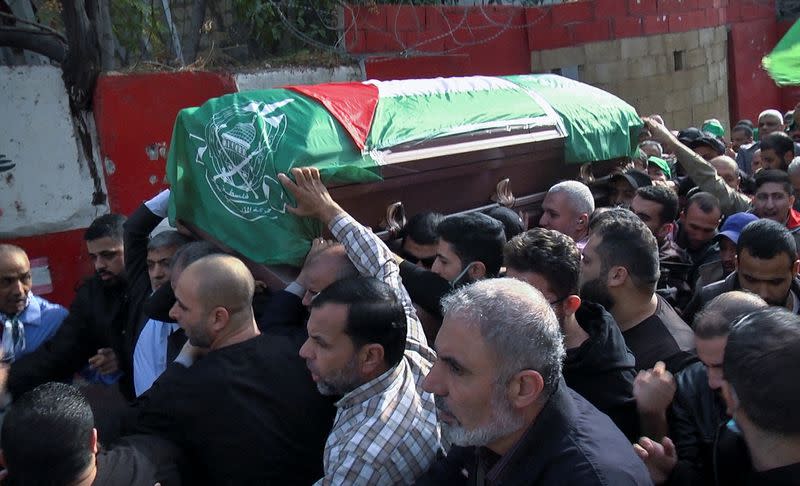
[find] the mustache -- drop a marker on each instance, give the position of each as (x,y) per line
(441,405)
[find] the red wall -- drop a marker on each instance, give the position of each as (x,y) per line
(131,112)
(457,41)
(134,111)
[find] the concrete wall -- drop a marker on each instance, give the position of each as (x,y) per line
(642,71)
(47,185)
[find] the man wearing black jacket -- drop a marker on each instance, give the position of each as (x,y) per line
(503,403)
(598,364)
(698,416)
(94,331)
(766,264)
(240,403)
(469,248)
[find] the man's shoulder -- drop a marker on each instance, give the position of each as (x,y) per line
(48,308)
(601,451)
(714,289)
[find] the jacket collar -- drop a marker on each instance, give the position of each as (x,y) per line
(533,451)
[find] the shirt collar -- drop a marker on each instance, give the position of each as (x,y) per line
(372,388)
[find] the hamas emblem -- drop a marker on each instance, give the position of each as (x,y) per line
(241,141)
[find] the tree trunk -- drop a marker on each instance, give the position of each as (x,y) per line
(105,35)
(82,64)
(192,45)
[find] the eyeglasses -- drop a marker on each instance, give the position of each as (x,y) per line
(426,262)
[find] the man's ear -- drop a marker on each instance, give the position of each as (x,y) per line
(525,388)
(665,230)
(795,267)
(582,222)
(371,358)
(571,305)
(617,276)
(220,318)
(93,445)
(477,271)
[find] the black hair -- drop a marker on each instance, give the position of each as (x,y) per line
(374,315)
(548,253)
(664,196)
(108,225)
(745,122)
(705,201)
(780,143)
(475,237)
(191,252)
(774,175)
(717,316)
(46,436)
(167,239)
(422,228)
(628,242)
(743,128)
(512,223)
(746,183)
(764,239)
(762,357)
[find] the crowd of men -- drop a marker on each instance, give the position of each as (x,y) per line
(643,330)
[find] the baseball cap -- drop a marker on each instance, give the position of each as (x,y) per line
(661,164)
(714,127)
(635,178)
(693,137)
(734,225)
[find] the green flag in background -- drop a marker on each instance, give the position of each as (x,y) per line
(783,63)
(224,159)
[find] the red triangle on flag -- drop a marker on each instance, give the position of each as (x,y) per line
(352,104)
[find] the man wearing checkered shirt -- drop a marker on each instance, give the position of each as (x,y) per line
(366,344)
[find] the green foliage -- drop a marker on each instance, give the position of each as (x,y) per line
(137,23)
(315,21)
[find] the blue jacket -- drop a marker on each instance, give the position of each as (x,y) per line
(40,319)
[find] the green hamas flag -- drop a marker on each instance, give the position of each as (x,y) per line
(223,163)
(783,63)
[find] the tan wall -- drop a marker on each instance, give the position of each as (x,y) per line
(641,71)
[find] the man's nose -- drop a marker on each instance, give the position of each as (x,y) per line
(19,289)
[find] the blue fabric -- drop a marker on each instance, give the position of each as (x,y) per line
(40,320)
(150,354)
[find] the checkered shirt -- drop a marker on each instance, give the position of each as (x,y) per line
(386,431)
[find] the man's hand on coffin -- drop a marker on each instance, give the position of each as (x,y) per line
(310,194)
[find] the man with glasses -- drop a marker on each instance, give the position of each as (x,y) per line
(469,247)
(598,364)
(619,271)
(418,244)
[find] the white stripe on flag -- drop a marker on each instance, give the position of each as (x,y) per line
(421,87)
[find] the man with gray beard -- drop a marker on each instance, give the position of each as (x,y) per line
(503,403)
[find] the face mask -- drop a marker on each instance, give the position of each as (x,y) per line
(457,281)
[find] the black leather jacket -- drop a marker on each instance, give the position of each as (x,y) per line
(709,451)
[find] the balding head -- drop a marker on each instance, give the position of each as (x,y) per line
(329,265)
(15,279)
(214,298)
(7,249)
(716,317)
(222,281)
(727,169)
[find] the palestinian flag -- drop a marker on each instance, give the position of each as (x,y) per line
(225,155)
